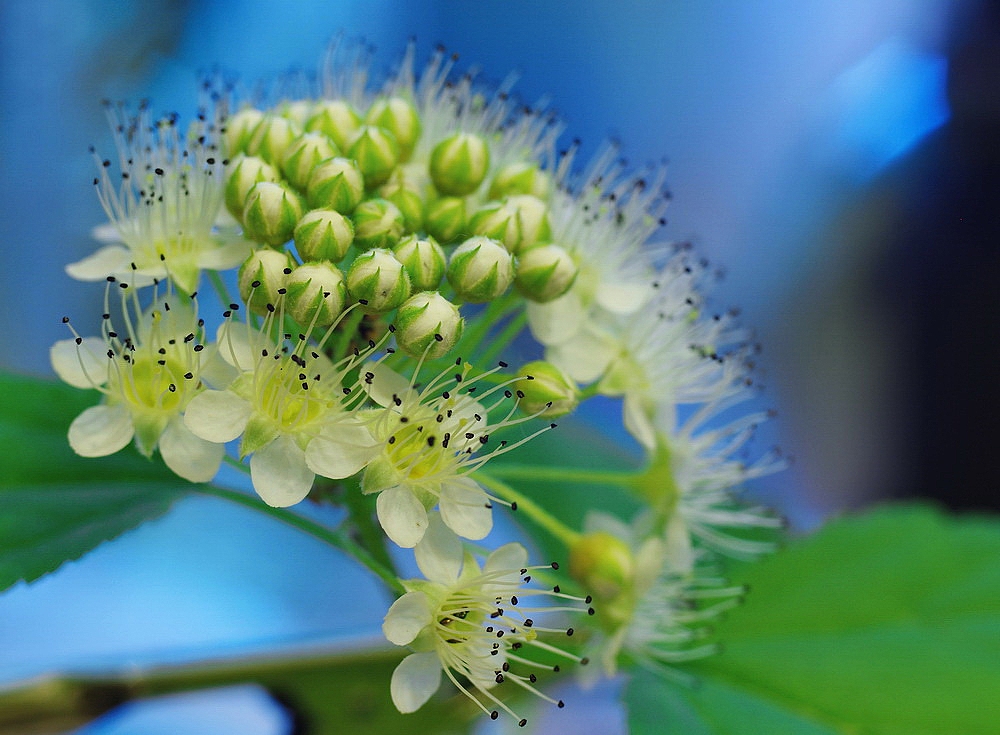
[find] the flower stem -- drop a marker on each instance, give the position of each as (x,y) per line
(566,474)
(338,538)
(538,514)
(499,343)
(482,324)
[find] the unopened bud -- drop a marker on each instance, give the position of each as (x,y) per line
(336,119)
(545,272)
(546,390)
(323,234)
(239,130)
(316,294)
(428,323)
(378,281)
(302,156)
(271,213)
(480,269)
(603,564)
(459,164)
(378,223)
(520,177)
(518,222)
(407,196)
(400,118)
(423,259)
(241,174)
(261,279)
(336,183)
(445,219)
(298,111)
(376,152)
(272,138)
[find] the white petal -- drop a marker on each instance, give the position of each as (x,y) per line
(408,615)
(413,682)
(637,421)
(595,520)
(509,556)
(558,320)
(386,384)
(439,553)
(622,298)
(225,255)
(680,555)
(216,372)
(106,233)
(101,430)
(240,345)
(403,517)
(108,261)
(82,366)
(217,415)
(279,473)
(190,456)
(341,450)
(586,356)
(466,509)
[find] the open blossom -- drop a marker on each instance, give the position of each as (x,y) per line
(605,225)
(164,206)
(653,613)
(148,371)
(431,441)
(474,624)
(286,395)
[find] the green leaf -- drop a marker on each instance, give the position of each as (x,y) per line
(887,624)
(54,505)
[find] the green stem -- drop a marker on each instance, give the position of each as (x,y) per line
(484,322)
(339,538)
(566,474)
(528,506)
(348,331)
(220,288)
(499,343)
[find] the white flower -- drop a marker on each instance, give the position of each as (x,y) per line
(287,395)
(605,225)
(430,442)
(708,469)
(657,615)
(148,372)
(164,208)
(470,623)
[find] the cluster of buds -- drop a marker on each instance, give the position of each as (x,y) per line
(379,238)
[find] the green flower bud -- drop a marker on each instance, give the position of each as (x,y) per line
(272,137)
(323,234)
(378,223)
(298,111)
(459,164)
(315,294)
(261,279)
(378,281)
(239,130)
(336,183)
(407,197)
(520,177)
(400,118)
(445,219)
(241,174)
(376,152)
(423,259)
(546,390)
(480,269)
(545,272)
(336,119)
(428,322)
(302,156)
(518,222)
(271,213)
(603,564)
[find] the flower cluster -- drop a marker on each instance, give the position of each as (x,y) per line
(372,249)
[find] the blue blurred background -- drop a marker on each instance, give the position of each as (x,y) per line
(837,157)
